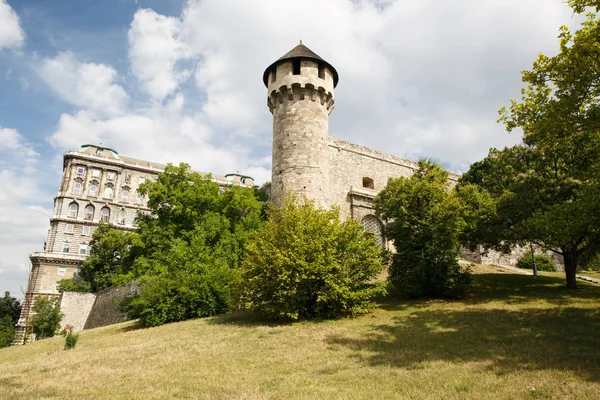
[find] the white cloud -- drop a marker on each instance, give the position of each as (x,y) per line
(87,85)
(11,33)
(154,49)
(24,224)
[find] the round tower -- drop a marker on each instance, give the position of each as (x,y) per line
(300,96)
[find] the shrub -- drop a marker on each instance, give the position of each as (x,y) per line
(542,263)
(424,218)
(70,337)
(306,263)
(74,285)
(7,331)
(46,321)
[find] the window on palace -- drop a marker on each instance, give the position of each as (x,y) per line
(77,188)
(89,213)
(70,228)
(125,195)
(93,190)
(106,214)
(73,210)
(86,231)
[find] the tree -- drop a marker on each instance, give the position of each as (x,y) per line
(183,253)
(546,190)
(10,310)
(112,253)
(424,218)
(306,263)
(46,321)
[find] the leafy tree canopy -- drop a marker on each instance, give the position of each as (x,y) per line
(46,321)
(183,251)
(425,220)
(547,190)
(306,263)
(10,309)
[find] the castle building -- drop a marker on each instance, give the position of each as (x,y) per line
(307,162)
(98,185)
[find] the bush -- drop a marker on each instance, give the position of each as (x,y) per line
(46,321)
(74,285)
(10,310)
(424,218)
(592,263)
(70,338)
(305,263)
(7,331)
(542,263)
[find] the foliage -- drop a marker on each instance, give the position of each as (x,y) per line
(542,262)
(425,220)
(112,253)
(46,321)
(592,263)
(306,263)
(76,284)
(183,252)
(547,190)
(7,331)
(70,337)
(10,310)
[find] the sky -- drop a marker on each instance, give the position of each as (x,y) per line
(181,81)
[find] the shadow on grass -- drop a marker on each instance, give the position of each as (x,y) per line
(520,289)
(245,318)
(507,341)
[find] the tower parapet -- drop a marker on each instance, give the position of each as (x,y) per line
(300,96)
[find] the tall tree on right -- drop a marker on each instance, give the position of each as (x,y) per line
(547,190)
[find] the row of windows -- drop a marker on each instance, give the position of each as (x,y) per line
(90,210)
(85,231)
(108,192)
(66,248)
(110,175)
(297,69)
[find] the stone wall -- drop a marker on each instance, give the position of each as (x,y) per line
(76,308)
(106,307)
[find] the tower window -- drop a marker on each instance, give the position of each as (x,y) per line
(273,74)
(73,209)
(368,183)
(89,213)
(77,188)
(321,71)
(296,66)
(106,214)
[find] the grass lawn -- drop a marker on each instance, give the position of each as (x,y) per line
(514,337)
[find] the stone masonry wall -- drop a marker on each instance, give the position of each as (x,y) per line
(106,307)
(76,308)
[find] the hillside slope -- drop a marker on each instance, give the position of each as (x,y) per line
(514,337)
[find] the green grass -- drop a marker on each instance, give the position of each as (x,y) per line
(513,337)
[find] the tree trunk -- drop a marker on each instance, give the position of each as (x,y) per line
(570,258)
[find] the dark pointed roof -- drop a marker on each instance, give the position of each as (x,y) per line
(302,52)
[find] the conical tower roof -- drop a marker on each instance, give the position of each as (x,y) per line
(302,52)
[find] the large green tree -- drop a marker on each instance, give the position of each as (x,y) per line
(306,263)
(184,252)
(10,310)
(547,190)
(425,220)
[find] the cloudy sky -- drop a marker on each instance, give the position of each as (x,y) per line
(175,80)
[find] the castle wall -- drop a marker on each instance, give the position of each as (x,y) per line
(105,310)
(76,308)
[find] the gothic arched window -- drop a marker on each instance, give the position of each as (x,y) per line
(372,224)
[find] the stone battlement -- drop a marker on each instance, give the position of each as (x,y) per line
(298,92)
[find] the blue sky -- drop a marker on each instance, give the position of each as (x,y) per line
(172,80)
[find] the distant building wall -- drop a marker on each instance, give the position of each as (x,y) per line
(76,308)
(105,310)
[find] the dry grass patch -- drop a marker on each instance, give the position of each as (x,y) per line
(515,337)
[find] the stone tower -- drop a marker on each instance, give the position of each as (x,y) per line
(300,96)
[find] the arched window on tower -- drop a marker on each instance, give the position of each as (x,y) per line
(368,183)
(372,224)
(321,71)
(77,188)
